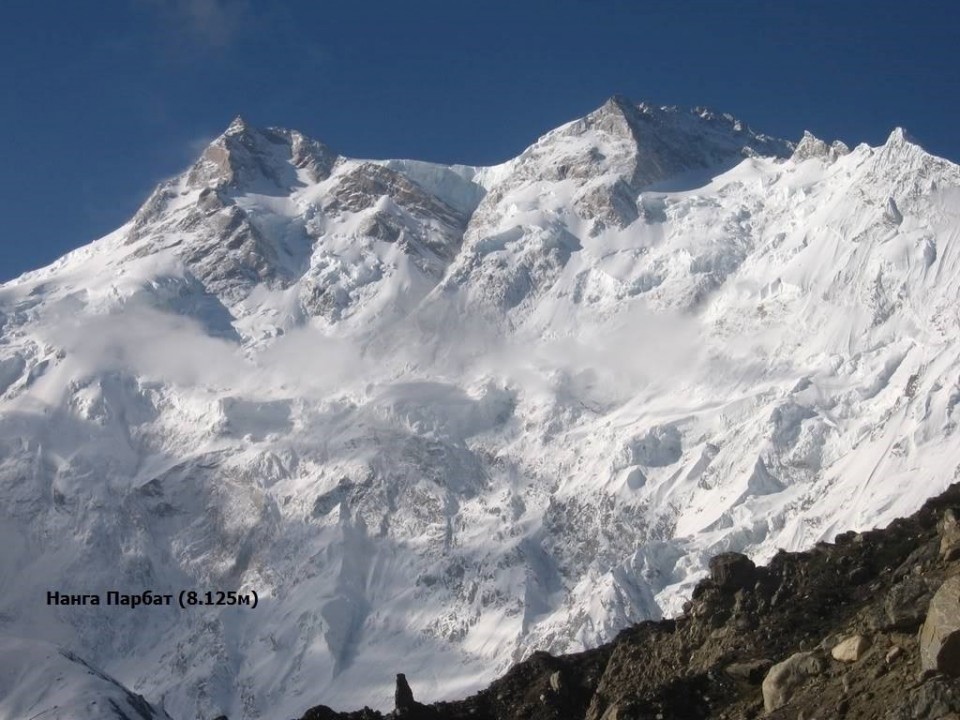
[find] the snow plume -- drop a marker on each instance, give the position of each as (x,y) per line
(633,347)
(156,345)
(166,348)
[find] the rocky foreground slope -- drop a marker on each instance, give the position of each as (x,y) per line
(864,628)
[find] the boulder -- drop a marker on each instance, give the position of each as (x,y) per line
(850,649)
(785,678)
(950,535)
(732,571)
(940,634)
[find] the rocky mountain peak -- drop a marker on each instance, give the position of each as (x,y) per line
(618,113)
(601,164)
(218,240)
(667,140)
(908,168)
(810,146)
(900,136)
(622,104)
(248,159)
(237,127)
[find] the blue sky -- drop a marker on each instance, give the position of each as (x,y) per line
(103,100)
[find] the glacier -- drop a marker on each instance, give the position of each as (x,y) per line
(440,417)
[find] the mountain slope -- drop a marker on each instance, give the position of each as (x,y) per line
(830,632)
(39,681)
(441,417)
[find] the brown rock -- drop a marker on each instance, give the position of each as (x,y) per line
(950,535)
(786,677)
(940,634)
(850,649)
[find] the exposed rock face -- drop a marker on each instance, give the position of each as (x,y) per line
(709,662)
(227,241)
(248,158)
(813,147)
(940,635)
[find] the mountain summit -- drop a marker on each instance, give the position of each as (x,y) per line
(440,417)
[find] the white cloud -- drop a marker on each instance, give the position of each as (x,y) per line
(214,23)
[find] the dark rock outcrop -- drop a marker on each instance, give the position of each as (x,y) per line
(403,697)
(732,571)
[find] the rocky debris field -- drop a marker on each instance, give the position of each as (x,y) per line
(866,627)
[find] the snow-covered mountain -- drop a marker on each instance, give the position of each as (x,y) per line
(440,417)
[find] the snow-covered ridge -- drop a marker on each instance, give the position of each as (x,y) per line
(42,681)
(440,417)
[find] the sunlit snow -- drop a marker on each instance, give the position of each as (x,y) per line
(439,418)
